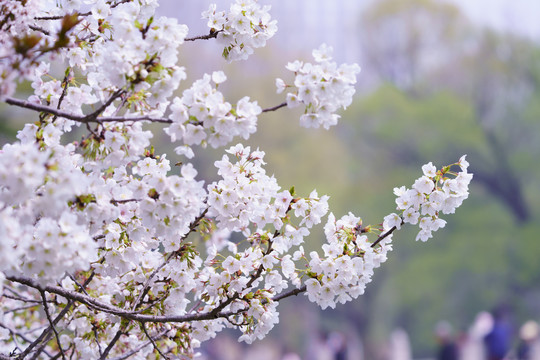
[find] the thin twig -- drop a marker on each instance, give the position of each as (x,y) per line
(77,283)
(37,302)
(81,118)
(111,344)
(41,30)
(47,331)
(96,338)
(65,85)
(22,308)
(287,294)
(19,334)
(124,201)
(60,17)
(254,277)
(146,285)
(143,325)
(385,235)
(140,347)
(274,108)
(211,35)
(48,315)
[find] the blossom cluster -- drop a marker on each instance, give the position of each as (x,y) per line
(347,265)
(203,116)
(16,62)
(322,88)
(431,194)
(141,55)
(37,185)
(246,195)
(245,27)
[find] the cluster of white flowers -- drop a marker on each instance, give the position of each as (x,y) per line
(142,55)
(246,195)
(322,87)
(430,195)
(16,62)
(203,116)
(245,27)
(13,233)
(348,263)
(22,170)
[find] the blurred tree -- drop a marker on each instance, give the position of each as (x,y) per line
(404,38)
(447,88)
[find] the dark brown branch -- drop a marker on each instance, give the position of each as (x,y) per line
(144,290)
(22,308)
(60,17)
(287,294)
(81,118)
(22,299)
(14,333)
(140,347)
(143,326)
(111,345)
(65,85)
(47,331)
(113,310)
(274,108)
(125,201)
(211,35)
(38,29)
(51,324)
(385,235)
(96,338)
(102,108)
(254,277)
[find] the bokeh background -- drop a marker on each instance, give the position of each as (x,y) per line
(439,79)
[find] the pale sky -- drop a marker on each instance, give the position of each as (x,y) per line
(521,16)
(304,24)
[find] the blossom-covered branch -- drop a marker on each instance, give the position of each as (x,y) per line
(109,250)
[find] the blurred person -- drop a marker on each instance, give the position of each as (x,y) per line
(338,345)
(318,347)
(400,346)
(497,341)
(472,347)
(447,347)
(528,347)
(289,355)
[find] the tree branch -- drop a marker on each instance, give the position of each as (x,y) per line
(192,227)
(143,326)
(93,117)
(211,35)
(274,108)
(48,315)
(287,294)
(47,331)
(385,235)
(14,333)
(60,17)
(111,344)
(38,29)
(113,310)
(140,347)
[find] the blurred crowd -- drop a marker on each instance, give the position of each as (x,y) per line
(491,337)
